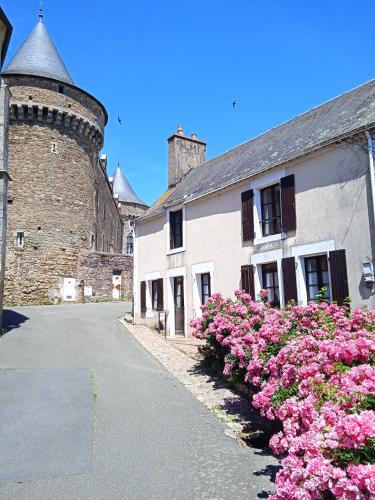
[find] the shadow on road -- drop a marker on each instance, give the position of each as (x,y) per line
(12,320)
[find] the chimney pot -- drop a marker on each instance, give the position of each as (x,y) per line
(180,130)
(194,136)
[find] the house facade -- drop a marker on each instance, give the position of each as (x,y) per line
(291,211)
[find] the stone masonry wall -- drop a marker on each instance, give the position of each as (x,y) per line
(109,228)
(96,271)
(129,212)
(56,181)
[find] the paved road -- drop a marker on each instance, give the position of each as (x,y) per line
(87,413)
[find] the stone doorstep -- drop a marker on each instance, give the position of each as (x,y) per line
(212,392)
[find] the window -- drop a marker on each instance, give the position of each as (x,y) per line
(61,89)
(20,239)
(154,297)
(175,223)
(130,244)
(271,211)
(205,287)
(317,277)
(157,295)
(271,283)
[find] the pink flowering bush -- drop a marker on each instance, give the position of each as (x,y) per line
(313,370)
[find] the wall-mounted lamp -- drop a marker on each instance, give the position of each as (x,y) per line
(368,273)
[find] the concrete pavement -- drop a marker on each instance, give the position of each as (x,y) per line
(151,438)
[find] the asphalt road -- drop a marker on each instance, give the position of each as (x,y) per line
(87,413)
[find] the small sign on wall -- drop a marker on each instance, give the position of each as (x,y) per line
(87,291)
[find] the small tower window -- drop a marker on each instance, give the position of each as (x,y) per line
(20,239)
(130,244)
(61,89)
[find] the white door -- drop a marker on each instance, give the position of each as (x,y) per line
(69,293)
(116,285)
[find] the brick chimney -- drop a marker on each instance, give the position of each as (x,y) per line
(184,153)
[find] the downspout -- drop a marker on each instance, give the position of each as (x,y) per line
(372,174)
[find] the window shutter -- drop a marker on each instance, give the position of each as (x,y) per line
(247,279)
(143,296)
(339,276)
(247,199)
(160,298)
(288,204)
(289,279)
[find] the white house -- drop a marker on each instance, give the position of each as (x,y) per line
(291,210)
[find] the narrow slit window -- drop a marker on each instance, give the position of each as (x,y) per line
(20,239)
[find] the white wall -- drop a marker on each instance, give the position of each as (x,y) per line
(332,205)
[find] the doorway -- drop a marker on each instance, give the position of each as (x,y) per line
(179,305)
(116,285)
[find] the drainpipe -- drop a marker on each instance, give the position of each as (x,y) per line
(372,174)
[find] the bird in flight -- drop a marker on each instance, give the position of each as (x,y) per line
(234,104)
(119,120)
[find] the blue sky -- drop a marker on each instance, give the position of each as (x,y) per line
(162,63)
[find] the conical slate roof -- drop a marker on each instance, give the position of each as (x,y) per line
(123,189)
(38,56)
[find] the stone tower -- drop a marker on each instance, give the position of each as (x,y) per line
(55,135)
(131,207)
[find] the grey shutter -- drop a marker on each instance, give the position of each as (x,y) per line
(339,276)
(247,201)
(160,296)
(289,279)
(143,296)
(247,280)
(288,204)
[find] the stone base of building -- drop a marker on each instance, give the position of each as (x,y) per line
(105,276)
(93,277)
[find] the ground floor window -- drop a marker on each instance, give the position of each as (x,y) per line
(205,287)
(154,294)
(317,277)
(271,283)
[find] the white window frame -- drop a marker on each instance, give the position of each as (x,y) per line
(261,258)
(266,180)
(172,251)
(196,271)
(171,274)
(20,238)
(149,278)
(300,252)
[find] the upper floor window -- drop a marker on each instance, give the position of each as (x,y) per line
(175,224)
(271,283)
(317,277)
(205,287)
(130,245)
(271,210)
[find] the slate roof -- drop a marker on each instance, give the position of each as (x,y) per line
(123,189)
(336,119)
(38,56)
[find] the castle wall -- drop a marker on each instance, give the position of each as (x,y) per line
(109,229)
(96,273)
(57,183)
